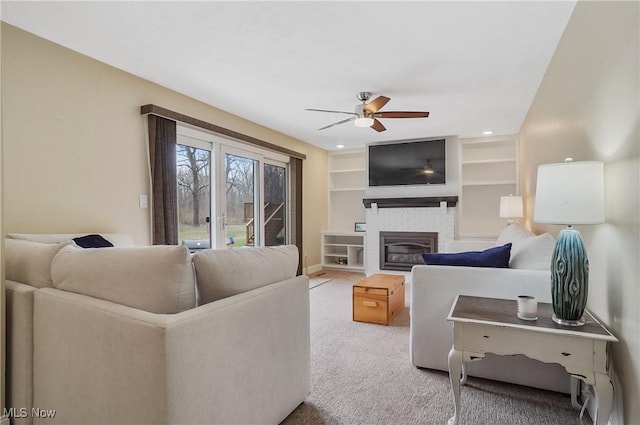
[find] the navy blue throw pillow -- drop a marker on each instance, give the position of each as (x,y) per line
(497,257)
(92,241)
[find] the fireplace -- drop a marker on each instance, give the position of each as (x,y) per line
(402,250)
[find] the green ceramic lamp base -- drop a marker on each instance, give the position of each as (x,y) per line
(569,278)
(565,322)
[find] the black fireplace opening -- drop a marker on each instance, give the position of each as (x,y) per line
(403,250)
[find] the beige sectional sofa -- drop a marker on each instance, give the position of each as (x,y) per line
(153,334)
(434,288)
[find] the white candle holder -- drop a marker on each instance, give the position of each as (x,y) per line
(527,307)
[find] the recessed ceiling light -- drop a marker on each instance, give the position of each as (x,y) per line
(487,132)
(339,146)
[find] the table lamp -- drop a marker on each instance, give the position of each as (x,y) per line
(570,193)
(511,208)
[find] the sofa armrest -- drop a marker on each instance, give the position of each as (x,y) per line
(243,359)
(433,290)
(19,349)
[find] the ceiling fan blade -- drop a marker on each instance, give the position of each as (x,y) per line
(401,114)
(376,104)
(377,126)
(337,123)
(333,112)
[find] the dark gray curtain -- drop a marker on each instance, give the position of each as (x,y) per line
(295,165)
(162,157)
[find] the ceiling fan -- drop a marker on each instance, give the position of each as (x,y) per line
(367,114)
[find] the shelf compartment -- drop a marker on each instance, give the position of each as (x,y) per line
(345,209)
(347,161)
(480,210)
(490,150)
(336,250)
(355,255)
(346,180)
(343,240)
(495,171)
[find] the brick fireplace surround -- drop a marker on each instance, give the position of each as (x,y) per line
(403,216)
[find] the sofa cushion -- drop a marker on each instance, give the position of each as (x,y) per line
(157,279)
(117,239)
(513,233)
(221,273)
(533,253)
(30,262)
(497,257)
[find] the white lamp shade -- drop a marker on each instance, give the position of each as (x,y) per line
(570,193)
(511,207)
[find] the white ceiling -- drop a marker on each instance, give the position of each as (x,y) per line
(474,65)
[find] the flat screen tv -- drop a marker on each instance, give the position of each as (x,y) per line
(407,163)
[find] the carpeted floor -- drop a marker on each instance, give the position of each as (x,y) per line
(318,279)
(361,374)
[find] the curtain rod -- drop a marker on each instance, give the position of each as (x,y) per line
(186,119)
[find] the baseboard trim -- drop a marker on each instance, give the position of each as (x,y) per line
(313,269)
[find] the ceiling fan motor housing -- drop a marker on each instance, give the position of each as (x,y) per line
(363,96)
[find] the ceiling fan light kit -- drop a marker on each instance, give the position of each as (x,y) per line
(366,114)
(363,122)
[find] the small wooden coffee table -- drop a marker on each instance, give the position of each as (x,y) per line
(378,298)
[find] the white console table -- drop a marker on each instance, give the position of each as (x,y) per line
(489,325)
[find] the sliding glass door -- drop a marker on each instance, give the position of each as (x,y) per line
(242,200)
(228,196)
(194,194)
(275,204)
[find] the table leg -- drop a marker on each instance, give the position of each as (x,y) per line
(575,389)
(463,380)
(455,366)
(604,398)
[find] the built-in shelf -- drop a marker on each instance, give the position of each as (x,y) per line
(488,170)
(354,170)
(343,250)
(489,182)
(347,184)
(488,161)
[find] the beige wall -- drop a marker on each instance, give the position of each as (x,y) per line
(75,149)
(3,419)
(587,107)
